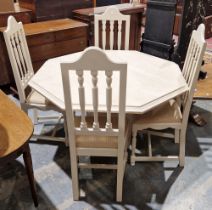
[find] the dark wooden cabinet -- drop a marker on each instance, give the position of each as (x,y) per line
(157,37)
(20,14)
(53,9)
(100,3)
(46,40)
(87,16)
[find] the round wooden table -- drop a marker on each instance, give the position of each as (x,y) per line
(15,131)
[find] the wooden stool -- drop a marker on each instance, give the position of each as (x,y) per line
(15,131)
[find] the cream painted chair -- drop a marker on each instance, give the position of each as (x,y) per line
(23,71)
(175,113)
(93,133)
(113,16)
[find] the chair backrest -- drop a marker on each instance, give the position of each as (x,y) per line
(99,69)
(118,35)
(19,55)
(157,38)
(192,65)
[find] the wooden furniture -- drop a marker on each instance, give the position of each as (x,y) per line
(135,11)
(46,40)
(174,114)
(53,9)
(116,32)
(208,19)
(55,38)
(178,17)
(96,135)
(23,71)
(100,3)
(204,8)
(6,5)
(208,26)
(150,81)
(157,38)
(193,14)
(15,131)
(21,14)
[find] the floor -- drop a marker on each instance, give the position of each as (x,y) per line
(203,88)
(147,186)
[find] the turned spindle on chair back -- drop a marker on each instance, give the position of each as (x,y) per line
(94,61)
(112,16)
(19,55)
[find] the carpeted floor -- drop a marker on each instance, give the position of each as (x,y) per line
(147,186)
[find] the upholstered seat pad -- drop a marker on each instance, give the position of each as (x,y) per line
(97,141)
(37,99)
(94,141)
(161,115)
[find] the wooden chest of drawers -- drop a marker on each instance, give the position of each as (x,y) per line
(54,9)
(46,40)
(21,14)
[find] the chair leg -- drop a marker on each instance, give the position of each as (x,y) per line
(149,144)
(134,139)
(177,136)
(182,149)
(120,177)
(75,179)
(24,108)
(35,116)
(30,174)
(65,130)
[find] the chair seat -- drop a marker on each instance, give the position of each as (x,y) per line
(36,99)
(171,115)
(164,114)
(13,133)
(97,141)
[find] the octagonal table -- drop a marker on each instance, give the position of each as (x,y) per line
(150,81)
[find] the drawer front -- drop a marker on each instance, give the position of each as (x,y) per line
(24,17)
(46,51)
(71,46)
(71,33)
(40,39)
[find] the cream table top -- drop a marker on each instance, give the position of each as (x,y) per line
(150,81)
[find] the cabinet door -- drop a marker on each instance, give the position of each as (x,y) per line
(68,6)
(48,9)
